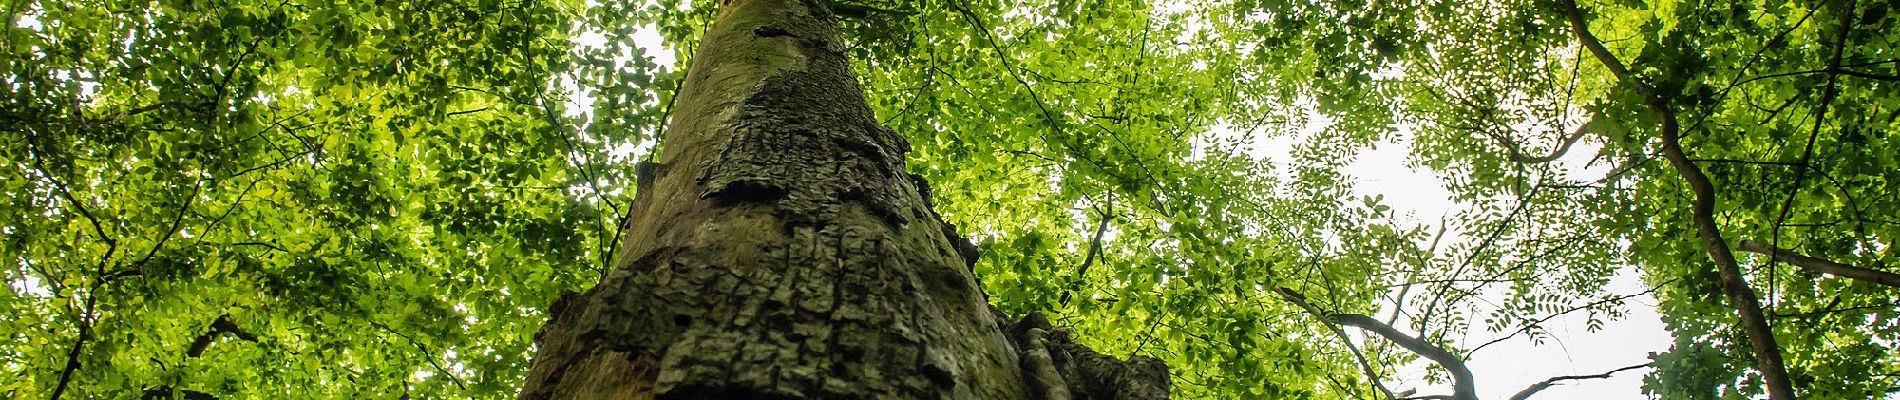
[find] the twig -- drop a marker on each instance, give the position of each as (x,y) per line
(425,353)
(1547,383)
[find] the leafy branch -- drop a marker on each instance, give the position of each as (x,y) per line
(1821,265)
(1760,337)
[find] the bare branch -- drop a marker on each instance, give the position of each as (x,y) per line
(1517,154)
(1547,383)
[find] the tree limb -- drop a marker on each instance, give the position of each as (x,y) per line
(1095,246)
(1828,94)
(1547,383)
(1462,387)
(1364,365)
(166,393)
(1761,338)
(222,325)
(1821,265)
(861,11)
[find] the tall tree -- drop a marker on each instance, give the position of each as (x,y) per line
(778,249)
(364,198)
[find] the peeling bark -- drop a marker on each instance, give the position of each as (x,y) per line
(778,250)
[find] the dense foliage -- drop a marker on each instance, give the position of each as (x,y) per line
(342,199)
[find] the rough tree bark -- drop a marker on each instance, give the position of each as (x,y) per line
(779,250)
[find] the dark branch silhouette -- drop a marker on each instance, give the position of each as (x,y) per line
(1547,383)
(1517,154)
(1095,246)
(221,326)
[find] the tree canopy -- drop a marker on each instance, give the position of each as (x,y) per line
(340,198)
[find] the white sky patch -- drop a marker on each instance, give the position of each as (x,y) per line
(28,18)
(1503,369)
(580,102)
(31,285)
(1419,196)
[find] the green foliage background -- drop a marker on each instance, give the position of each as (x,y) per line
(380,198)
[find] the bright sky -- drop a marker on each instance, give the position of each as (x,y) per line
(1503,369)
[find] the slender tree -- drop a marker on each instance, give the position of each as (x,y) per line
(779,249)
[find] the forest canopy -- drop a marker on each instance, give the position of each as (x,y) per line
(382,199)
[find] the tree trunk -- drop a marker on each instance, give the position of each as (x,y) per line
(780,251)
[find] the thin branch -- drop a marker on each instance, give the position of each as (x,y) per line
(425,353)
(1539,322)
(84,323)
(177,222)
(1830,310)
(39,164)
(1864,74)
(1761,338)
(862,11)
(1821,265)
(1722,95)
(1547,383)
(1832,71)
(1049,117)
(998,48)
(1517,154)
(79,346)
(135,111)
(268,245)
(582,164)
(455,113)
(1095,246)
(1807,153)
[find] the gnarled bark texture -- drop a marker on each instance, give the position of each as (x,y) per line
(779,250)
